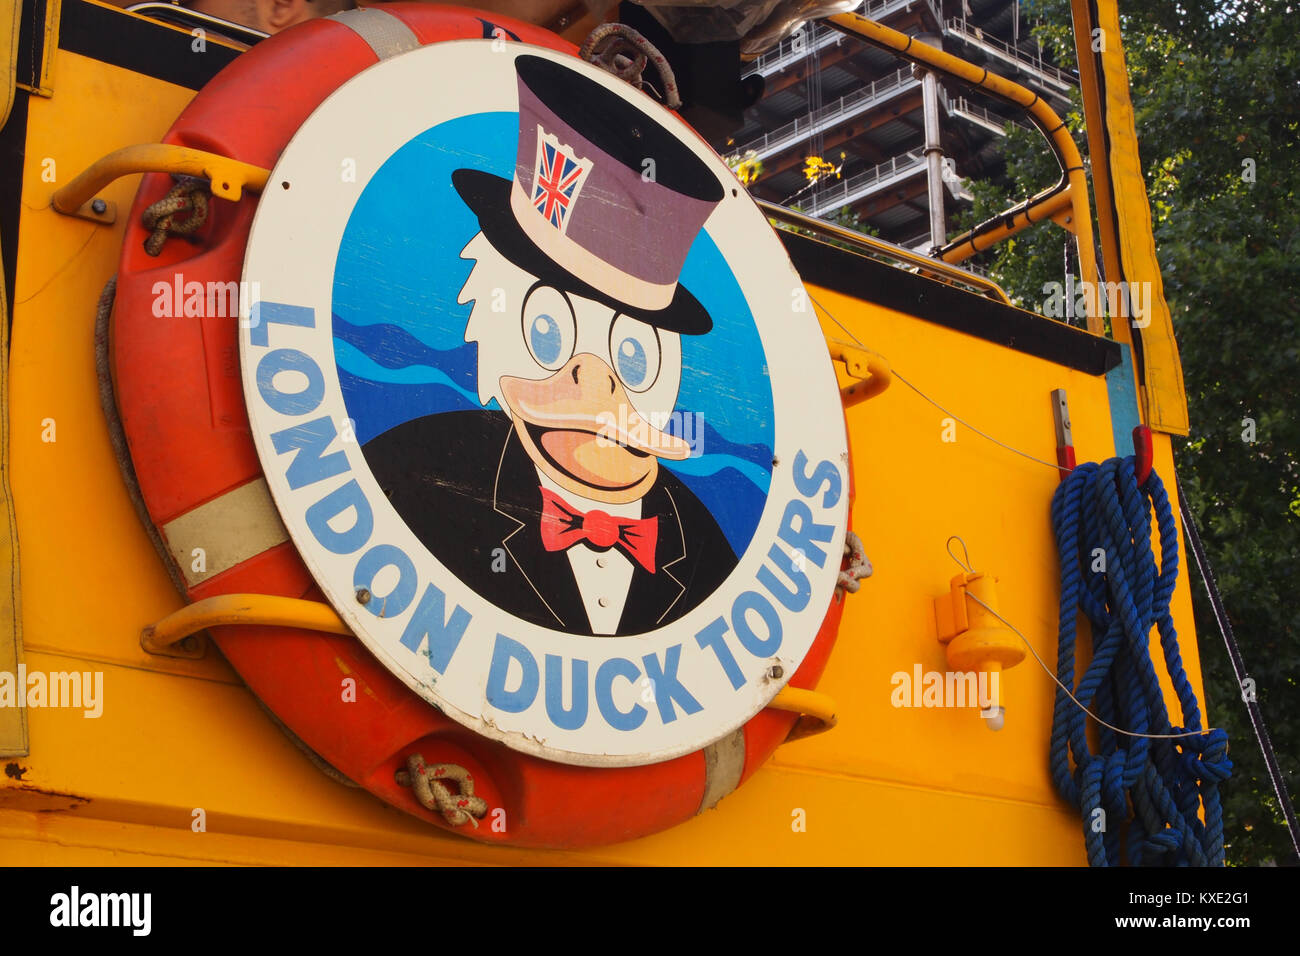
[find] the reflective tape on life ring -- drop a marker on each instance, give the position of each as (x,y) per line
(225,532)
(724,762)
(383,32)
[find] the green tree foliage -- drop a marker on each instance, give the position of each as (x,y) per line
(1216,93)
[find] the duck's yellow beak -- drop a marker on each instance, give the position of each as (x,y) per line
(579,427)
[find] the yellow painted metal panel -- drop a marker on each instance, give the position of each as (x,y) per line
(914,489)
(13,724)
(83,546)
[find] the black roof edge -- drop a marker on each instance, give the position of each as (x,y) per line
(863,278)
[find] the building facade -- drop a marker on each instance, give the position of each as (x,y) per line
(860,110)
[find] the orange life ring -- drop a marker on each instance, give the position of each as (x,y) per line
(178,393)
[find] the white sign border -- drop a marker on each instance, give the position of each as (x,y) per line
(294,221)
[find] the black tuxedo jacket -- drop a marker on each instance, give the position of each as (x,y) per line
(465,486)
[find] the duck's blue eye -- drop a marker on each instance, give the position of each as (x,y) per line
(548,327)
(634,350)
(631,362)
(544,337)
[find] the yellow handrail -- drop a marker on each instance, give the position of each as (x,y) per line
(228,176)
(1044,206)
(937,267)
(267,610)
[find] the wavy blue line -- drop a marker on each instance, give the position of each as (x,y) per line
(707,465)
(351,360)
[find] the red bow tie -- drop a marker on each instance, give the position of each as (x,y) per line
(564,526)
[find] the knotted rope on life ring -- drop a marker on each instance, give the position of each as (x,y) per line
(189,197)
(859,565)
(621,50)
(429,783)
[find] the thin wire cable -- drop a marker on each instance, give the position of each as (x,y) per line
(966,565)
(1118,730)
(896,374)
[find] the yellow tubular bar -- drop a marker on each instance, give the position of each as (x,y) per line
(228,176)
(241,609)
(1043,207)
(1053,128)
(266,610)
(817,711)
(935,267)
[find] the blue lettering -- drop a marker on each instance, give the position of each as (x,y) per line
(605,674)
(521,698)
(753,601)
(396,601)
(808,485)
(430,622)
(290,403)
(262,314)
(338,501)
(794,600)
(802,537)
(308,441)
(576,715)
(667,687)
(713,637)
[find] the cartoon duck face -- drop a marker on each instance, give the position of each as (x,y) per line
(578,309)
(587,387)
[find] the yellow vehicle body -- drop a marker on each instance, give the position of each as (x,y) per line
(183,766)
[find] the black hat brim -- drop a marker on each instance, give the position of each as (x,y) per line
(488,196)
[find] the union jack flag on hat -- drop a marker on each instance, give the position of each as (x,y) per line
(557,180)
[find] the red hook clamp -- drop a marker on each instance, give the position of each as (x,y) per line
(1143,453)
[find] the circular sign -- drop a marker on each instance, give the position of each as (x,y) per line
(543,404)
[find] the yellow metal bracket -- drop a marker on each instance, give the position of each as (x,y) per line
(228,177)
(817,711)
(950,609)
(870,371)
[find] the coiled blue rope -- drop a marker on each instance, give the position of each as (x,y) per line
(1163,782)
